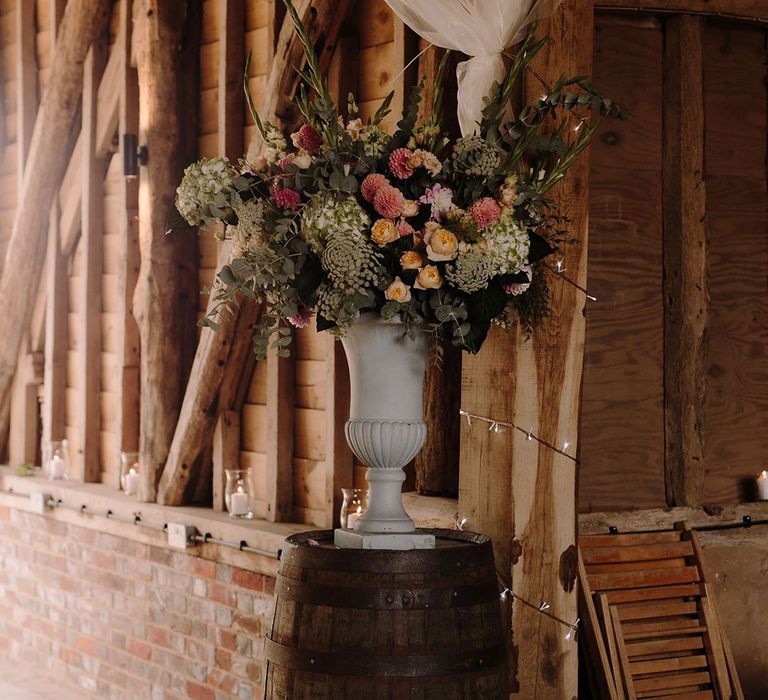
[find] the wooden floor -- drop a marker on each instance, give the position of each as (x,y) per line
(19,681)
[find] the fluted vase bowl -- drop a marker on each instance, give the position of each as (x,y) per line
(385,427)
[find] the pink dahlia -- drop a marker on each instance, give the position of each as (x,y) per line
(285,197)
(404,228)
(399,163)
(371,185)
(389,202)
(485,211)
(309,139)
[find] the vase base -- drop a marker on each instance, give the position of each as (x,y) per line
(349,539)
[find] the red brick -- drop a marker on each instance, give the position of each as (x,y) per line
(221,594)
(139,648)
(200,692)
(159,636)
(269,585)
(248,579)
(226,639)
(201,567)
(87,645)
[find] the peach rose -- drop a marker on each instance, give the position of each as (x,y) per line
(411,260)
(398,291)
(428,278)
(442,245)
(410,208)
(384,231)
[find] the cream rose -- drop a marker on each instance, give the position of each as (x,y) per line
(410,208)
(384,231)
(442,245)
(428,278)
(398,291)
(411,260)
(302,161)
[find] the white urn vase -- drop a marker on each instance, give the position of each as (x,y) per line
(385,427)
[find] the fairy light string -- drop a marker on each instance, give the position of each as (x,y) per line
(495,425)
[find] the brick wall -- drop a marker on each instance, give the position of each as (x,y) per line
(129,620)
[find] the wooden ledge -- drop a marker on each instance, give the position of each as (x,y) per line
(100,498)
(665,518)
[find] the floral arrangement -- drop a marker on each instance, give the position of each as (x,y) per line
(342,217)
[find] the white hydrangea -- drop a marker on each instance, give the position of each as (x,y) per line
(508,245)
(204,195)
(325,214)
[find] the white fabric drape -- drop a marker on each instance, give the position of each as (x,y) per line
(482,29)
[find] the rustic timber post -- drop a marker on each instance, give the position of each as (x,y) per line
(167,63)
(686,291)
(86,462)
(220,357)
(549,370)
(49,151)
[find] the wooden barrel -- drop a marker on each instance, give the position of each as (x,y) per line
(368,624)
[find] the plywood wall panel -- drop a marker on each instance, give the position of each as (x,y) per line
(621,437)
(736,398)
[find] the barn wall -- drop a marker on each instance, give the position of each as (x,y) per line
(622,440)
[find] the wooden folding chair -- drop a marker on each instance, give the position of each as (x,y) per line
(659,624)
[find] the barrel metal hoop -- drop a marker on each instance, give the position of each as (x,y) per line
(368,664)
(469,551)
(414,598)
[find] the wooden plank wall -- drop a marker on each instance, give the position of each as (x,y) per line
(622,424)
(622,431)
(736,125)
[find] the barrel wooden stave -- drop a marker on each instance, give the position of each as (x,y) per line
(390,625)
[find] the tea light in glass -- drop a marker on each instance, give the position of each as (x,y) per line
(351,508)
(237,493)
(129,472)
(56,460)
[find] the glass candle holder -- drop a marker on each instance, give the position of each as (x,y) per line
(352,507)
(237,493)
(129,473)
(56,460)
(762,485)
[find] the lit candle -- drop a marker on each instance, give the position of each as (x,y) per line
(56,467)
(353,517)
(762,486)
(238,502)
(131,482)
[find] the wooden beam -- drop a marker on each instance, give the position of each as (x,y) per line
(226,453)
(49,151)
(25,415)
(26,82)
(220,358)
(127,330)
(686,295)
(339,466)
(231,63)
(168,34)
(280,410)
(92,231)
(548,368)
(751,10)
(55,373)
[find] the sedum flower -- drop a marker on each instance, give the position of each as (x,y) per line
(473,155)
(508,244)
(205,193)
(324,214)
(471,271)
